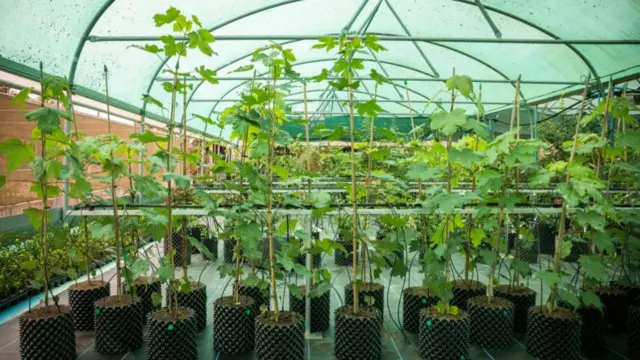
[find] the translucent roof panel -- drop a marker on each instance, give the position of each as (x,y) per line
(54,31)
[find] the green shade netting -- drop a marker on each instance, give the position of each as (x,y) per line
(54,32)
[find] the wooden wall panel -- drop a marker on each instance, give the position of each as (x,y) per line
(15,195)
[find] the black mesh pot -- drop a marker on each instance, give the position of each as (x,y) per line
(529,254)
(633,291)
(171,338)
(82,298)
(196,299)
(465,290)
(234,325)
(553,336)
(47,336)
(545,234)
(594,326)
(344,259)
(522,298)
(491,323)
(316,260)
(228,248)
(320,309)
(577,249)
(414,299)
(376,291)
(118,324)
(144,290)
(256,294)
(616,304)
(633,324)
(206,238)
(211,243)
(358,337)
(281,340)
(443,336)
(177,246)
(394,256)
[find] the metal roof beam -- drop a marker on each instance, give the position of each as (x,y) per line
(416,79)
(415,44)
(96,38)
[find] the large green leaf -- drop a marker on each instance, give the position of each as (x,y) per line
(465,157)
(462,83)
(18,153)
(180,180)
(148,137)
(448,122)
(421,171)
(35,217)
(48,118)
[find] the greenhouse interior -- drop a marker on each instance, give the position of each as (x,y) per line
(320,179)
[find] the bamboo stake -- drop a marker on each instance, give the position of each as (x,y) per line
(354,215)
(116,225)
(276,312)
(561,226)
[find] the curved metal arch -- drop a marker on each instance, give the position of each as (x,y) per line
(584,59)
(222,24)
(83,39)
(360,92)
(296,64)
(472,57)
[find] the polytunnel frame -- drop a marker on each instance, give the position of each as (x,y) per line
(483,9)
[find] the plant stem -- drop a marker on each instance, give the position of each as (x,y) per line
(603,132)
(170,299)
(557,256)
(272,271)
(354,213)
(43,186)
(447,269)
(185,239)
(114,199)
(86,247)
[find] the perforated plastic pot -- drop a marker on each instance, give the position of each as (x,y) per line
(320,308)
(358,336)
(616,304)
(280,340)
(234,325)
(342,258)
(373,290)
(522,298)
(46,333)
(465,290)
(196,299)
(491,322)
(177,246)
(633,324)
(443,336)
(118,324)
(82,297)
(256,294)
(172,336)
(144,290)
(555,336)
(414,299)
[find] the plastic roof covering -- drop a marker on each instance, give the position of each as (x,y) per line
(52,32)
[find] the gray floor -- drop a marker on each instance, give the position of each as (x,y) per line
(395,344)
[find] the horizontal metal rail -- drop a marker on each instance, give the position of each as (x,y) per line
(548,41)
(409,79)
(345,100)
(363,211)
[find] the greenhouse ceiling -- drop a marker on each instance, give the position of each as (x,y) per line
(551,45)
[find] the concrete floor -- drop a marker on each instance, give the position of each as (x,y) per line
(395,344)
